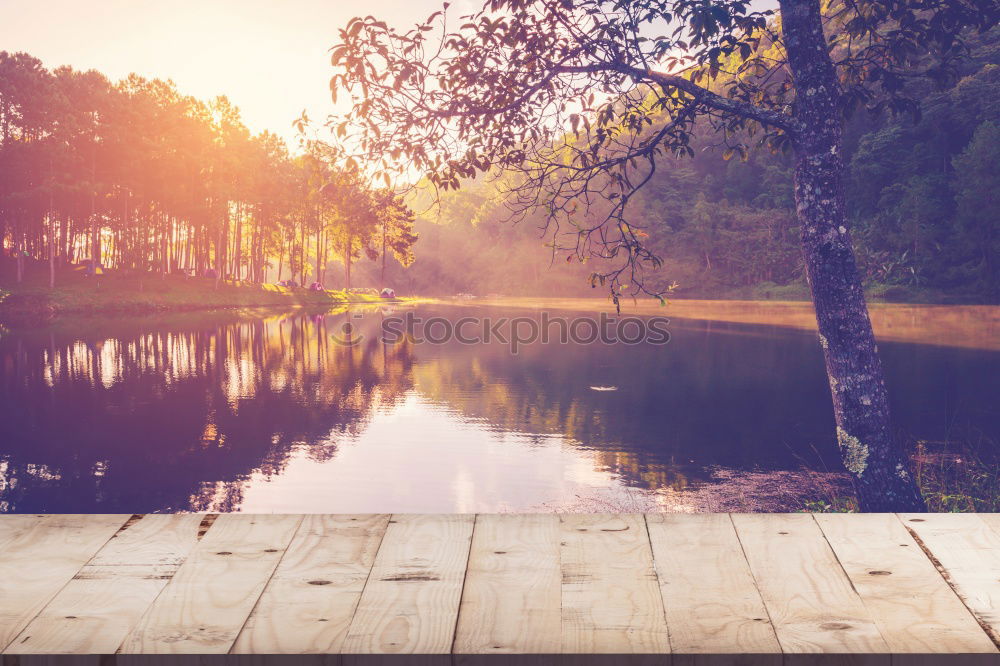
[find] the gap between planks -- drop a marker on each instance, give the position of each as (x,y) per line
(39,556)
(475,563)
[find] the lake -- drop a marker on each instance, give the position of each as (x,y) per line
(292,412)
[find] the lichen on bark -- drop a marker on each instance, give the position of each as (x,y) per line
(854,453)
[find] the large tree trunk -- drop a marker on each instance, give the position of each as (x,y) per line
(876,462)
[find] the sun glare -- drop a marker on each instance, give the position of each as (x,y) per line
(270,59)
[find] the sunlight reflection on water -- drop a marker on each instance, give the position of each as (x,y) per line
(263,412)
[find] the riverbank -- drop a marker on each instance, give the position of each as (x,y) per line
(875,292)
(954,477)
(970,326)
(112,294)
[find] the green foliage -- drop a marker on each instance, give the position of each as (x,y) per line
(959,476)
(75,294)
(833,505)
(921,197)
(953,476)
(922,192)
(978,214)
(581,105)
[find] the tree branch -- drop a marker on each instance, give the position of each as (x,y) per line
(700,94)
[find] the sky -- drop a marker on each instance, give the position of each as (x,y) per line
(269,57)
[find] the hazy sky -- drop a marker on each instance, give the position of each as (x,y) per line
(269,57)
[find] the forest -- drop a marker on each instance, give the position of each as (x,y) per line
(832,153)
(581,110)
(921,196)
(154,181)
(148,180)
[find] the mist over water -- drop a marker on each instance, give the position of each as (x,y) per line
(266,411)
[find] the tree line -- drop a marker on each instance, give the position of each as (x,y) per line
(496,94)
(135,176)
(920,195)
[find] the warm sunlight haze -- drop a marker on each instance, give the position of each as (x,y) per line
(635,331)
(270,58)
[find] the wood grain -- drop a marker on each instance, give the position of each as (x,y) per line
(308,605)
(810,600)
(719,590)
(968,549)
(610,597)
(912,605)
(511,601)
(204,606)
(13,526)
(711,600)
(410,604)
(991,519)
(98,608)
(37,561)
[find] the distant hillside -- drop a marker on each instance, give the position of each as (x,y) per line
(922,197)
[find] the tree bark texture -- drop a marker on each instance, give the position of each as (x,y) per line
(878,465)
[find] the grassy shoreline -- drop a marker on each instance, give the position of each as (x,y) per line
(129,295)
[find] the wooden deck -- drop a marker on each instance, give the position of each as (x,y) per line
(672,586)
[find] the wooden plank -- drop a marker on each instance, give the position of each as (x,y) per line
(588,576)
(410,604)
(810,600)
(153,540)
(611,599)
(511,601)
(12,526)
(991,519)
(914,608)
(205,604)
(96,610)
(968,549)
(37,561)
(308,605)
(711,600)
(214,660)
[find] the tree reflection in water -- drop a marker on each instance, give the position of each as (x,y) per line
(268,412)
(142,419)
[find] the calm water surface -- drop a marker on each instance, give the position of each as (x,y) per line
(266,412)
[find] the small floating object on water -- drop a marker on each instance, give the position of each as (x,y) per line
(603,388)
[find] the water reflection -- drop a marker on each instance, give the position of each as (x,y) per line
(267,413)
